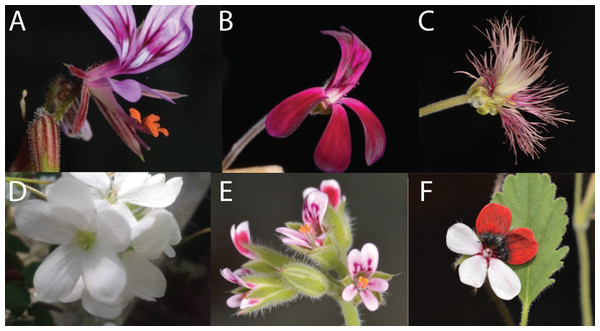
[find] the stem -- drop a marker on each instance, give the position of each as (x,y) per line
(239,145)
(501,306)
(525,313)
(36,192)
(582,211)
(26,180)
(349,312)
(444,104)
(194,235)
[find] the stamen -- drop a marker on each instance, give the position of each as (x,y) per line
(306,228)
(85,239)
(149,122)
(363,282)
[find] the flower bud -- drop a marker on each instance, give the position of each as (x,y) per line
(268,255)
(340,223)
(44,142)
(306,279)
(267,297)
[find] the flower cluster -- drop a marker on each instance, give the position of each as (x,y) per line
(108,228)
(322,264)
(487,251)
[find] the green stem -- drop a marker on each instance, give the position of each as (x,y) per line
(501,306)
(444,104)
(349,312)
(525,313)
(26,180)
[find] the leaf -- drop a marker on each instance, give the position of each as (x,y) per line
(28,272)
(531,199)
(41,314)
(16,298)
(15,244)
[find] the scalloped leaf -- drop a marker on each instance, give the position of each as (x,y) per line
(531,199)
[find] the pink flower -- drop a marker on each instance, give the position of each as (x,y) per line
(164,33)
(510,82)
(312,233)
(240,236)
(238,300)
(334,148)
(361,266)
(330,187)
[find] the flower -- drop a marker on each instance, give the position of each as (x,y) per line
(89,243)
(165,32)
(490,248)
(240,236)
(333,151)
(509,82)
(330,187)
(238,300)
(313,232)
(361,266)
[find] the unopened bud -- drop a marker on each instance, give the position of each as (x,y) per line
(269,255)
(44,142)
(342,231)
(306,279)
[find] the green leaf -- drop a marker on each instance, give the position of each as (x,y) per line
(15,244)
(531,200)
(41,314)
(28,272)
(16,298)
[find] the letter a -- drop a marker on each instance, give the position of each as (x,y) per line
(17,20)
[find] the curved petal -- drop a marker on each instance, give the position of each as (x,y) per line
(308,190)
(286,117)
(369,300)
(355,263)
(462,240)
(241,236)
(374,132)
(129,89)
(296,242)
(75,293)
(235,301)
(355,58)
(291,233)
(494,218)
(155,196)
(113,231)
(57,276)
(158,94)
(101,309)
(504,280)
(378,285)
(165,33)
(521,245)
(104,274)
(71,193)
(332,188)
(35,220)
(472,271)
(334,148)
(151,234)
(96,180)
(144,279)
(370,257)
(349,292)
(314,208)
(175,184)
(128,182)
(117,23)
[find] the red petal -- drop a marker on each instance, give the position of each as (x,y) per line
(286,117)
(355,58)
(374,133)
(521,245)
(494,218)
(83,110)
(334,149)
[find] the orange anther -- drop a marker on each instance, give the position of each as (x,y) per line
(149,122)
(135,114)
(305,228)
(363,282)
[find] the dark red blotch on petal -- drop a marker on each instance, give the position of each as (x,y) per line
(493,218)
(521,245)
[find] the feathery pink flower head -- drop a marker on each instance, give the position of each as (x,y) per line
(164,33)
(510,82)
(334,149)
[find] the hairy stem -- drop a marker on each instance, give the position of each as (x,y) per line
(501,306)
(239,145)
(349,312)
(444,104)
(525,313)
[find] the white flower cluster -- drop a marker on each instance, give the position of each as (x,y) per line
(108,228)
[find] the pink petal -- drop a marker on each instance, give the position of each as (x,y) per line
(503,279)
(369,300)
(286,117)
(307,191)
(241,236)
(235,301)
(370,256)
(378,285)
(355,58)
(129,89)
(81,115)
(472,271)
(354,263)
(117,23)
(314,208)
(290,232)
(349,292)
(462,240)
(334,148)
(332,188)
(374,132)
(296,242)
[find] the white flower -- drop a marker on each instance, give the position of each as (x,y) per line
(89,243)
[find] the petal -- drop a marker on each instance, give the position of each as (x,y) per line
(296,242)
(150,236)
(370,256)
(35,220)
(71,193)
(494,218)
(57,276)
(332,188)
(521,245)
(129,89)
(349,292)
(81,116)
(314,208)
(165,33)
(354,262)
(75,293)
(462,240)
(290,233)
(100,309)
(175,184)
(96,180)
(241,236)
(104,274)
(233,277)
(117,23)
(378,285)
(235,301)
(286,117)
(158,94)
(154,196)
(334,148)
(369,300)
(127,182)
(144,279)
(355,58)
(472,271)
(307,191)
(503,279)
(113,231)
(374,132)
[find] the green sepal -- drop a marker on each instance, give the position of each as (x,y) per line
(258,266)
(382,275)
(327,256)
(306,279)
(271,298)
(294,225)
(60,97)
(239,290)
(264,280)
(269,255)
(341,231)
(346,281)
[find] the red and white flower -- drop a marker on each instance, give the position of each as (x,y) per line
(361,267)
(491,248)
(240,236)
(312,233)
(330,187)
(238,300)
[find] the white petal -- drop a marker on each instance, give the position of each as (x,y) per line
(100,309)
(169,251)
(175,184)
(98,181)
(349,292)
(150,236)
(472,271)
(235,301)
(155,196)
(34,219)
(156,179)
(104,274)
(70,192)
(370,257)
(57,275)
(122,209)
(127,182)
(144,279)
(307,191)
(75,293)
(113,231)
(462,240)
(504,280)
(369,300)
(378,285)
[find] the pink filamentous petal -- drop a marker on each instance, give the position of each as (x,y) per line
(374,132)
(285,118)
(117,23)
(334,149)
(355,58)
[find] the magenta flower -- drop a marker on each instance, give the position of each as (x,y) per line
(240,236)
(510,82)
(238,300)
(312,233)
(361,266)
(334,148)
(164,33)
(330,187)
